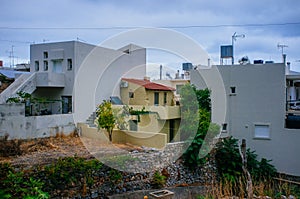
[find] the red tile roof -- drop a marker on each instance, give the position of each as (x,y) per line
(149,85)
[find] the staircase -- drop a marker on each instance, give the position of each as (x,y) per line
(91,120)
(25,83)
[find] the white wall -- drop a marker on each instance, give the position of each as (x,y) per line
(14,123)
(259,98)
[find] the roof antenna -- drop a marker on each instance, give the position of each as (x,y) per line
(78,39)
(283,55)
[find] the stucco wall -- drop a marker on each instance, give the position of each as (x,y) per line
(259,99)
(14,123)
(156,140)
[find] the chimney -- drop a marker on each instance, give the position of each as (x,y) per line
(284,59)
(288,68)
(147,78)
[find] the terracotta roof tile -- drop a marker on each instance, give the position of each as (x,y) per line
(149,85)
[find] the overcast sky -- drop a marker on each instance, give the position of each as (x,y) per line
(211,23)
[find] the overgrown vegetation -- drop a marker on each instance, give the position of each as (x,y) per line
(15,184)
(38,183)
(195,124)
(229,165)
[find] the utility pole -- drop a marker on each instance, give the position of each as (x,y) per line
(11,56)
(233,39)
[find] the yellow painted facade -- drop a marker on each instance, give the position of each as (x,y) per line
(161,115)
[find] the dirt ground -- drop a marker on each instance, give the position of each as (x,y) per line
(46,150)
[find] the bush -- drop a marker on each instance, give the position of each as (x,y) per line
(158,180)
(70,171)
(18,185)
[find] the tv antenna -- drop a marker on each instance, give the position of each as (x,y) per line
(282,46)
(233,39)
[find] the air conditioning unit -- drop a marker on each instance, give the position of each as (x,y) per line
(124,84)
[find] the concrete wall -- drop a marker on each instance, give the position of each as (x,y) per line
(95,74)
(14,123)
(259,99)
(155,140)
(105,67)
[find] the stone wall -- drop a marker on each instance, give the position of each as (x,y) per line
(14,123)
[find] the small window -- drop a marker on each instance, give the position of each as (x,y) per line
(224,128)
(232,90)
(165,97)
(36,65)
(262,131)
(70,66)
(45,65)
(45,55)
(131,95)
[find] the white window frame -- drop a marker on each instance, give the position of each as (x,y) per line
(264,135)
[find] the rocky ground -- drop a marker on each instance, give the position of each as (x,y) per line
(43,151)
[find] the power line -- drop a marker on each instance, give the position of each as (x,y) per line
(17,41)
(134,27)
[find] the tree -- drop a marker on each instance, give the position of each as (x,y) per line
(105,118)
(195,123)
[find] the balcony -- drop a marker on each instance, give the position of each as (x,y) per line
(163,112)
(47,79)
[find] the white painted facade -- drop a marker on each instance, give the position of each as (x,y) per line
(255,107)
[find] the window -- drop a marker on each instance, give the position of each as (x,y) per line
(262,131)
(57,65)
(156,98)
(178,87)
(232,90)
(165,98)
(45,55)
(224,128)
(45,65)
(70,64)
(131,94)
(36,65)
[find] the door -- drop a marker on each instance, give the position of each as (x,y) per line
(66,104)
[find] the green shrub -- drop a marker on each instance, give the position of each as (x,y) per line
(71,170)
(115,176)
(158,180)
(17,185)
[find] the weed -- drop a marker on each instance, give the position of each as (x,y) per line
(158,180)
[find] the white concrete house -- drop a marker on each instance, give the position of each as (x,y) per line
(77,76)
(255,106)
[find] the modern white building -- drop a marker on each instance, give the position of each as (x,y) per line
(254,100)
(73,77)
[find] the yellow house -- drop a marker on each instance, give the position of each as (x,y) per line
(152,107)
(146,93)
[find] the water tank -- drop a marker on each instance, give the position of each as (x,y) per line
(269,62)
(259,61)
(187,66)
